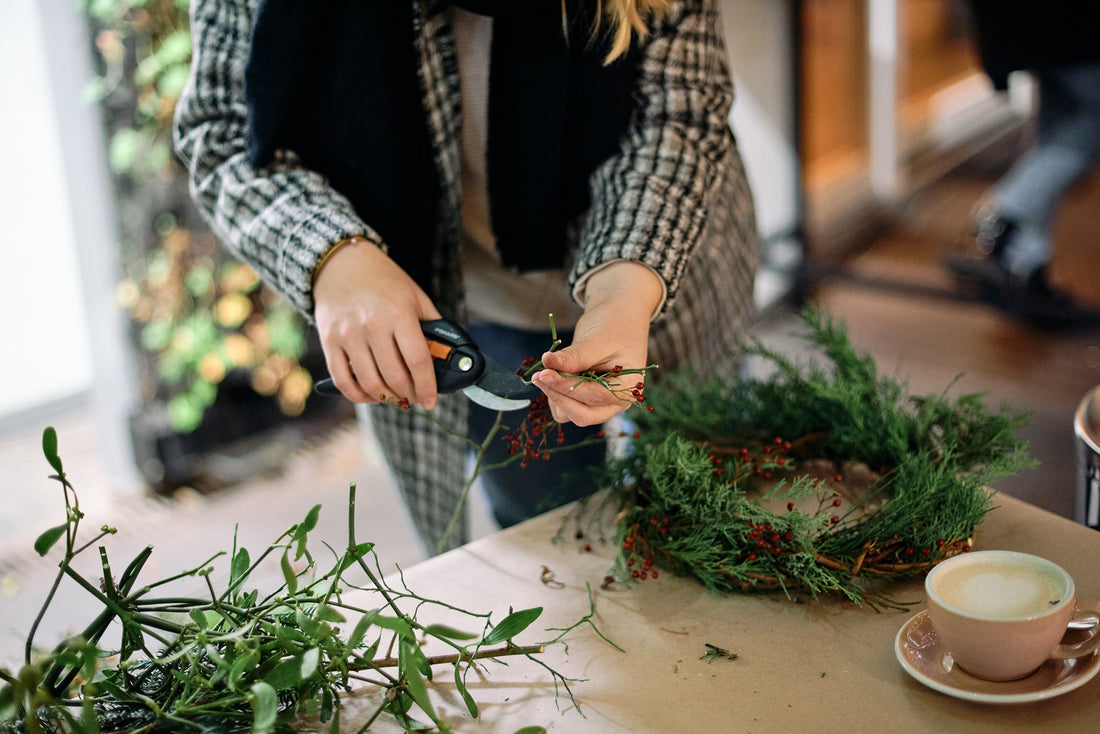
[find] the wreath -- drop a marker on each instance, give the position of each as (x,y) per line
(822,476)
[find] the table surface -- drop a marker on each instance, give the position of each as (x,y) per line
(818,665)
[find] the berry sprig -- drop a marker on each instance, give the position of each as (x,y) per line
(611,379)
(535,433)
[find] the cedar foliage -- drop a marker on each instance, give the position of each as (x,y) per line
(734,484)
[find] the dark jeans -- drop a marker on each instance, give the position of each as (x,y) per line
(517,492)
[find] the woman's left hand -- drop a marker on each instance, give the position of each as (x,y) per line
(614,331)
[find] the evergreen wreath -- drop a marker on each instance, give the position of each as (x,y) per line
(820,477)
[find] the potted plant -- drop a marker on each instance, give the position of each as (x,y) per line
(220,356)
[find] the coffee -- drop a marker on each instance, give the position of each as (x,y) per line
(1001,614)
(1001,589)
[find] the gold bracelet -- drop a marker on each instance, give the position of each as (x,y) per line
(354,240)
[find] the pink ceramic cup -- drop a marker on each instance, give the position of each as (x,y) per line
(1002,614)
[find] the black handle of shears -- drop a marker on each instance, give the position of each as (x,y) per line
(456,359)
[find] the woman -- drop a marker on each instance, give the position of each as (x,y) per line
(381,164)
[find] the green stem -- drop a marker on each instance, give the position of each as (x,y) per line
(42,611)
(460,509)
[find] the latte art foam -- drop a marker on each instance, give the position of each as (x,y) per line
(1000,590)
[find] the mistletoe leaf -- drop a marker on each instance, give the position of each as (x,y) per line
(265,708)
(46,540)
(289,576)
(442,630)
(360,630)
(511,626)
(414,681)
(460,686)
(49,448)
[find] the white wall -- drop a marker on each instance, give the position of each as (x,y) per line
(64,339)
(758,37)
(762,60)
(47,352)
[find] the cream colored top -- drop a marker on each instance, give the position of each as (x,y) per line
(495,293)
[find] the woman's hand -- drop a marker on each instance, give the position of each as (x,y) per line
(614,330)
(368,312)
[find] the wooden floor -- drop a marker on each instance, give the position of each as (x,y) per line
(902,307)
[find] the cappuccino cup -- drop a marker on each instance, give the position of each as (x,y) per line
(1002,614)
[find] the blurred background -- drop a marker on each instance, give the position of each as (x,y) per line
(181,388)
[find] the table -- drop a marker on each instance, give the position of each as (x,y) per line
(817,666)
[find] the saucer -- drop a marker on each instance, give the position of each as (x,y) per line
(920,652)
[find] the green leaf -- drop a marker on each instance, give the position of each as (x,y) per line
(308,662)
(8,708)
(239,569)
(326,613)
(532,730)
(285,331)
(288,573)
(471,704)
(415,682)
(49,448)
(310,626)
(351,558)
(360,630)
(311,519)
(171,82)
(300,531)
(199,280)
(199,618)
(176,48)
(287,674)
(242,666)
(328,705)
(156,335)
(265,708)
(46,540)
(185,413)
(400,626)
(512,625)
(123,149)
(442,630)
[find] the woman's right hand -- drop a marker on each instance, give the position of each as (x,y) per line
(368,313)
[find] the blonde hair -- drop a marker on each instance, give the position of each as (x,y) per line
(629,17)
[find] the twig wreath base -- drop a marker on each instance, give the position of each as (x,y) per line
(825,478)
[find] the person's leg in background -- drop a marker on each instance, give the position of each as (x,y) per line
(1066,147)
(517,492)
(1015,228)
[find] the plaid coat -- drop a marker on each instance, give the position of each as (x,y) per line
(674,197)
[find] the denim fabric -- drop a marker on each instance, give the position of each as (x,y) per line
(1067,145)
(516,493)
